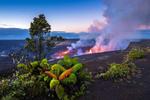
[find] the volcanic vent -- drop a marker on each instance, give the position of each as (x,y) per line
(117,26)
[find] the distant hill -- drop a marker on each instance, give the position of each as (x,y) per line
(13,33)
(20,34)
(68,35)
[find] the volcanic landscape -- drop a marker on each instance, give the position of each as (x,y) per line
(132,88)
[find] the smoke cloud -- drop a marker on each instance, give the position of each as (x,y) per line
(124,18)
(127,15)
(119,23)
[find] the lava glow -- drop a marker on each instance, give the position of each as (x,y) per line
(61,54)
(95,49)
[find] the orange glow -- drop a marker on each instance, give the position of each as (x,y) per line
(62,54)
(95,49)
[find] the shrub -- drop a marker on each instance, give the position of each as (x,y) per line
(67,77)
(118,70)
(9,97)
(22,86)
(135,53)
(4,85)
(66,80)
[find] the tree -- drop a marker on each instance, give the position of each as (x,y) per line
(39,28)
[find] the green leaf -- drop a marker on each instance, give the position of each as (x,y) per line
(75,61)
(22,66)
(72,79)
(54,83)
(44,63)
(34,64)
(77,67)
(60,91)
(46,78)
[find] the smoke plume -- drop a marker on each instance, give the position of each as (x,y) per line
(124,18)
(119,22)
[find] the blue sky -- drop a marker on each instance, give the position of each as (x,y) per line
(63,15)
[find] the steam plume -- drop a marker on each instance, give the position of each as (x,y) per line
(122,18)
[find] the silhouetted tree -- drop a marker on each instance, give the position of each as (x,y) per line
(39,28)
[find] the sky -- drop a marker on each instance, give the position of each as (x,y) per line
(62,15)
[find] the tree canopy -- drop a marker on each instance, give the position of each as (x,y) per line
(38,28)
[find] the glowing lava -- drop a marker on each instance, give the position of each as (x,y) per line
(61,54)
(95,49)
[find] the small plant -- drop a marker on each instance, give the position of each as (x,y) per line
(124,69)
(9,97)
(135,53)
(66,75)
(118,70)
(4,85)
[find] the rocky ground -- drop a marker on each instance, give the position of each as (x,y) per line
(133,88)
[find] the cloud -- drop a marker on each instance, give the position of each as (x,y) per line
(6,26)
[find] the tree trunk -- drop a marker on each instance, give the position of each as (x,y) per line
(40,48)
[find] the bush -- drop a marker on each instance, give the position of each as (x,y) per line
(67,77)
(118,70)
(64,80)
(124,69)
(135,53)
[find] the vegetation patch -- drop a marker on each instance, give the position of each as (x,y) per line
(118,70)
(135,53)
(65,80)
(124,69)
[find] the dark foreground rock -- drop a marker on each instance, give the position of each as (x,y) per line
(136,88)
